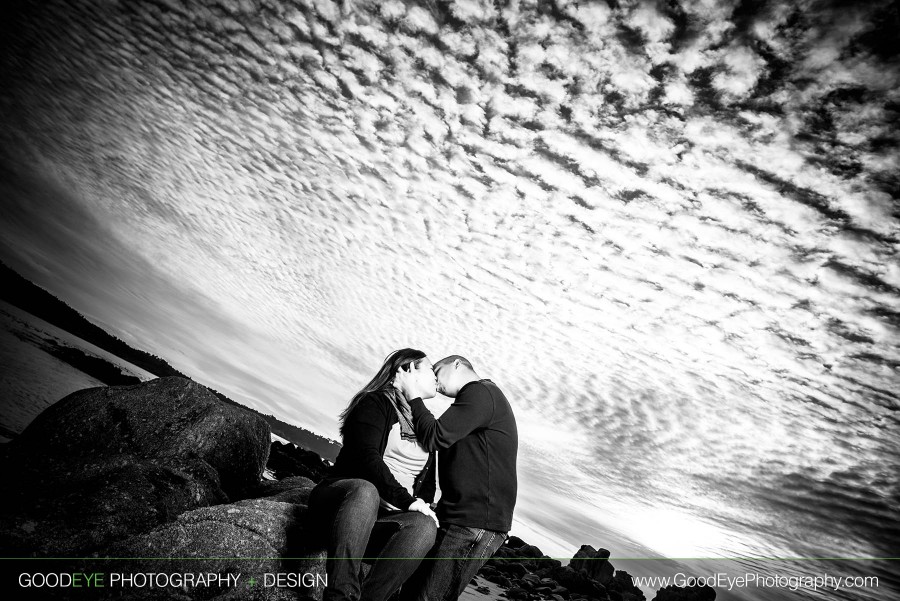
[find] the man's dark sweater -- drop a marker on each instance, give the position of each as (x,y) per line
(478,441)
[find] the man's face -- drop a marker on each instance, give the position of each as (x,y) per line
(443,373)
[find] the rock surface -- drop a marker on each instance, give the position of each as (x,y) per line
(290,460)
(529,575)
(105,463)
(76,509)
(165,419)
(252,537)
(594,563)
(293,489)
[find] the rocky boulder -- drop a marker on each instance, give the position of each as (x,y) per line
(75,509)
(163,419)
(575,581)
(594,563)
(286,460)
(295,489)
(522,559)
(510,569)
(623,584)
(106,463)
(252,538)
(529,575)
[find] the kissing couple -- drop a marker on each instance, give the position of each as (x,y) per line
(378,501)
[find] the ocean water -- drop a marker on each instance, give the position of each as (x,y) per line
(31,379)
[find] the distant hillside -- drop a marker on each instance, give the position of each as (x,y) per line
(324,447)
(30,297)
(18,291)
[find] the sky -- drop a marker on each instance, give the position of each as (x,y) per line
(667,230)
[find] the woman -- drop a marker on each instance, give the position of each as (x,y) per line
(376,498)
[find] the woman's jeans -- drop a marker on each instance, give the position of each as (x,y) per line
(397,540)
(453,562)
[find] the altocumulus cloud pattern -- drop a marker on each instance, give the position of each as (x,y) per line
(668,228)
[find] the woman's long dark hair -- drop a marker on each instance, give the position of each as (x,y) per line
(383,379)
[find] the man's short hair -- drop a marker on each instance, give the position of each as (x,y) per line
(453,358)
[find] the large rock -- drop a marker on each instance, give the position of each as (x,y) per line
(78,508)
(623,583)
(594,563)
(520,559)
(295,489)
(251,538)
(165,419)
(106,463)
(286,460)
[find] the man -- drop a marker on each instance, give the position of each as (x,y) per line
(477,442)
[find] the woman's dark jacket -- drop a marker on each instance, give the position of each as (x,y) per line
(365,433)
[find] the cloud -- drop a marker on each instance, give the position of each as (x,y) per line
(679,92)
(670,231)
(743,69)
(655,26)
(471,11)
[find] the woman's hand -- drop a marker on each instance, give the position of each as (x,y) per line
(422,507)
(405,382)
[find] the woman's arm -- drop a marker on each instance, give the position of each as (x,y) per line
(364,432)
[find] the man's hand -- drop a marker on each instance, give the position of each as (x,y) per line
(423,507)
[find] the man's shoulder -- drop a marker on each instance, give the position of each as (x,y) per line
(498,399)
(491,388)
(486,390)
(478,388)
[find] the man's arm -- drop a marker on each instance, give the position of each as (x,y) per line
(472,409)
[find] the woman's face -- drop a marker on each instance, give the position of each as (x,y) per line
(423,374)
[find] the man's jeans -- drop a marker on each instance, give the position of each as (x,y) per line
(347,513)
(457,556)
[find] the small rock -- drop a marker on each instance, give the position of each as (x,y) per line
(517,593)
(487,570)
(499,580)
(529,551)
(511,569)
